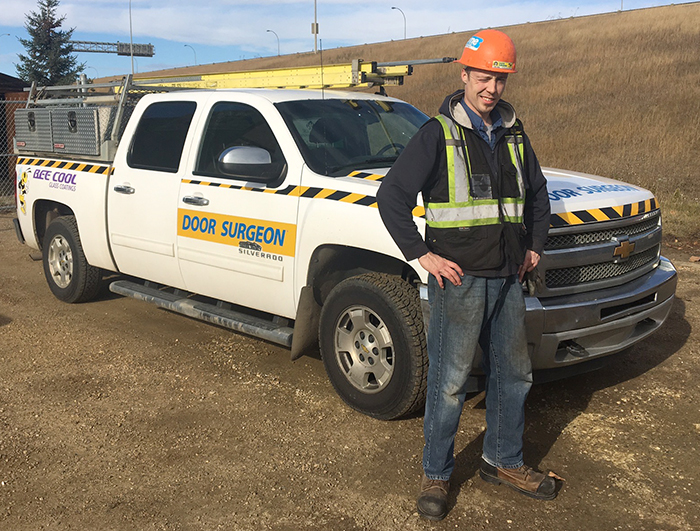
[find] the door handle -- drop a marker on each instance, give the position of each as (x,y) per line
(194,200)
(124,189)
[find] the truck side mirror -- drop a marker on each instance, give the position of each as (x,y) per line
(251,163)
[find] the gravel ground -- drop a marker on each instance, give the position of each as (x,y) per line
(115,415)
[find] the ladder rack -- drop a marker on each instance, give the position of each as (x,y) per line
(87,120)
(358,73)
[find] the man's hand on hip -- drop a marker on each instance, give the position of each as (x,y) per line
(440,267)
(530,263)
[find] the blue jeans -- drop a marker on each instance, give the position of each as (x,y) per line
(486,312)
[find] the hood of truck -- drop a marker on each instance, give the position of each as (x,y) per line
(569,191)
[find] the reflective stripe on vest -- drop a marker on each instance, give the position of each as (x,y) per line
(462,210)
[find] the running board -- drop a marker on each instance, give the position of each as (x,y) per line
(178,302)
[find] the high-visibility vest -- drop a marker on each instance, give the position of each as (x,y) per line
(463,209)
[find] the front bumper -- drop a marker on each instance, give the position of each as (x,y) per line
(569,330)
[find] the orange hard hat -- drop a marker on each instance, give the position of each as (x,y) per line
(489,50)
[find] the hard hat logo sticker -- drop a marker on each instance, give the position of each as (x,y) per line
(503,65)
(474,43)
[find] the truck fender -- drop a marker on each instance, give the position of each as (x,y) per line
(45,212)
(329,265)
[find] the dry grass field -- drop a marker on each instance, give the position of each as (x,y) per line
(615,95)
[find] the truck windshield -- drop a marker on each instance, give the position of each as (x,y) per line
(337,136)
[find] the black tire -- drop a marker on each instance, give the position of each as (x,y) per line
(373,345)
(70,277)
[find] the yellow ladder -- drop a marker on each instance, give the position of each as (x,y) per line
(356,74)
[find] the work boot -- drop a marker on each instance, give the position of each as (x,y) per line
(432,500)
(524,479)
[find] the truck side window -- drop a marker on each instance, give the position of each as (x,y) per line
(235,124)
(160,136)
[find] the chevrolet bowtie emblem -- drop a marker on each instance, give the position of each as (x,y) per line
(624,249)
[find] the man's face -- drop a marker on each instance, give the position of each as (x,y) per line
(483,90)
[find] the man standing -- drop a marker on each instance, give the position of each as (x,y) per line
(487,217)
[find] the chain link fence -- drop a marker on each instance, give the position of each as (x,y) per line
(7,157)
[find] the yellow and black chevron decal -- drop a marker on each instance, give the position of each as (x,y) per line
(300,191)
(580,217)
(87,167)
(367,176)
(308,192)
(564,219)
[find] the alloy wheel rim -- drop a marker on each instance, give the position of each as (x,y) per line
(60,261)
(364,349)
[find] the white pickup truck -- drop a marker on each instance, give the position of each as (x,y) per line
(255,210)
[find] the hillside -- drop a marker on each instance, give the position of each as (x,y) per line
(616,95)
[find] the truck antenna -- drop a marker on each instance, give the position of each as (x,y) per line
(323,90)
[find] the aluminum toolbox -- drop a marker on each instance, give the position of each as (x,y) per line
(75,131)
(33,130)
(66,130)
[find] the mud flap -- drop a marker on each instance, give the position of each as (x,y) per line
(305,335)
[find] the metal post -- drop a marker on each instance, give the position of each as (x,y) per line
(315,29)
(126,85)
(195,53)
(131,40)
(404,21)
(278,40)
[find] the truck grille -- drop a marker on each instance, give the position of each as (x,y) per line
(565,241)
(600,254)
(570,276)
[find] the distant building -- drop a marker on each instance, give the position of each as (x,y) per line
(9,85)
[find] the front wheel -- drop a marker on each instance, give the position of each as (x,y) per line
(373,345)
(70,277)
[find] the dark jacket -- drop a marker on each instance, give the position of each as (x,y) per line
(422,168)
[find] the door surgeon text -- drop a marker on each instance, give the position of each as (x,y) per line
(262,235)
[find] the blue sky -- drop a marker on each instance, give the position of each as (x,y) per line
(226,30)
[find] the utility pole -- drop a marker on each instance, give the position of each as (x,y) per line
(314,28)
(131,40)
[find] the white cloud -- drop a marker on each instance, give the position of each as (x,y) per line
(240,23)
(230,29)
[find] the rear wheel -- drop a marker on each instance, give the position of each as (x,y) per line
(70,277)
(373,345)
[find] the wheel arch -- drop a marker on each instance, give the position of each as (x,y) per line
(331,264)
(45,211)
(328,266)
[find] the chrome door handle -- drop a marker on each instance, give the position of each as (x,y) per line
(124,189)
(194,200)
